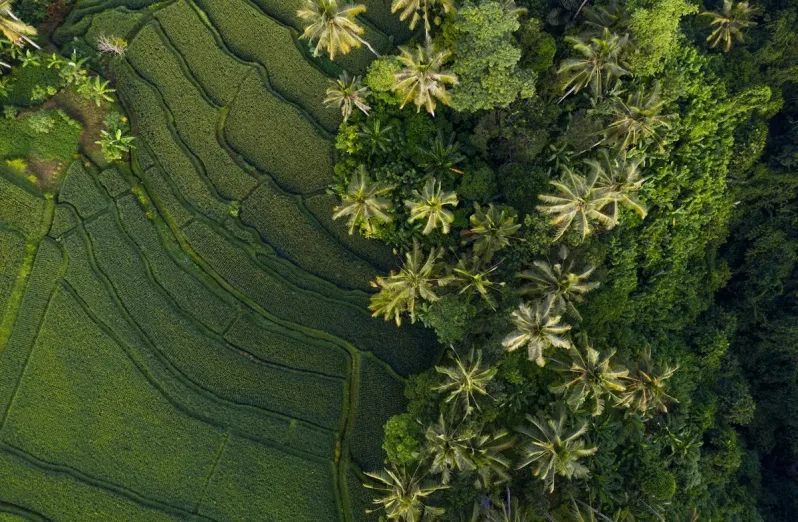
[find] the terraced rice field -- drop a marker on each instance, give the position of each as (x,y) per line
(188,339)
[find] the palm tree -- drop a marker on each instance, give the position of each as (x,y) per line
(441,157)
(466,380)
(600,65)
(450,449)
(14,29)
(553,450)
(404,494)
(619,178)
(346,93)
(363,203)
(488,456)
(589,377)
(333,28)
(431,205)
(729,22)
(491,230)
(420,9)
(645,387)
(400,292)
(421,79)
(638,119)
(559,280)
(471,278)
(376,136)
(537,329)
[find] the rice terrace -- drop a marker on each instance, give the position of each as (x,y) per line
(398,260)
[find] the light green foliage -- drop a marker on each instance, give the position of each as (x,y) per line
(655,27)
(49,135)
(430,206)
(402,441)
(538,46)
(486,58)
(380,78)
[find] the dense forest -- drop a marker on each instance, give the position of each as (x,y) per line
(595,202)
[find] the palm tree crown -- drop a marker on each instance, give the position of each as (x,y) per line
(333,28)
(619,178)
(553,450)
(466,380)
(729,23)
(472,278)
(346,93)
(15,30)
(421,79)
(559,280)
(638,120)
(404,494)
(400,292)
(420,9)
(491,230)
(430,204)
(601,63)
(588,377)
(363,203)
(450,449)
(537,329)
(645,387)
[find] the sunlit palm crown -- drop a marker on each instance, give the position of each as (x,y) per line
(491,230)
(422,79)
(466,380)
(537,328)
(638,120)
(729,23)
(619,178)
(347,93)
(430,205)
(560,280)
(600,65)
(420,9)
(12,28)
(404,494)
(473,277)
(333,28)
(449,448)
(645,387)
(363,202)
(553,449)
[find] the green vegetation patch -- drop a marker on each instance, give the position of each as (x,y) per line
(118,22)
(12,256)
(81,191)
(42,135)
(20,209)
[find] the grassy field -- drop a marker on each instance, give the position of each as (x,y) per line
(187,337)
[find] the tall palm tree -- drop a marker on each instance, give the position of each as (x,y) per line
(466,380)
(537,329)
(729,23)
(400,292)
(491,230)
(561,280)
(418,10)
(638,120)
(553,449)
(488,456)
(449,448)
(404,494)
(645,387)
(333,28)
(578,204)
(422,79)
(471,278)
(588,378)
(347,93)
(14,29)
(430,205)
(442,156)
(364,203)
(619,178)
(600,65)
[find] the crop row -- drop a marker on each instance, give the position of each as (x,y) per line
(408,350)
(80,190)
(360,498)
(276,138)
(154,132)
(113,182)
(82,403)
(12,255)
(20,210)
(258,38)
(87,284)
(286,347)
(294,234)
(200,356)
(251,483)
(64,219)
(195,121)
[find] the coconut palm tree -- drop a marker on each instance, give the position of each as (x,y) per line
(638,120)
(404,494)
(430,205)
(363,203)
(588,377)
(471,278)
(560,280)
(449,448)
(537,328)
(553,449)
(466,380)
(14,29)
(420,10)
(333,28)
(400,292)
(422,79)
(441,157)
(729,23)
(347,93)
(600,65)
(619,178)
(645,387)
(578,204)
(488,456)
(491,230)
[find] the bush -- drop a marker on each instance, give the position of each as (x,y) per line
(478,184)
(402,441)
(659,485)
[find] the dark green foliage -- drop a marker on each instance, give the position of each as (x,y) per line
(478,184)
